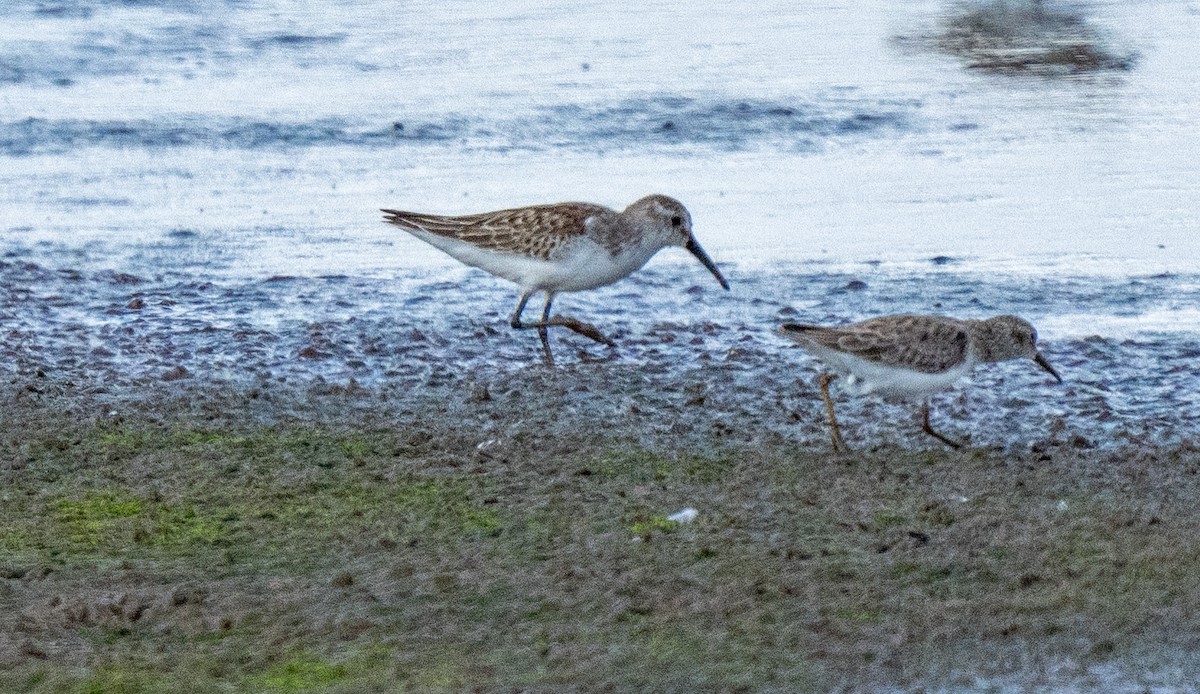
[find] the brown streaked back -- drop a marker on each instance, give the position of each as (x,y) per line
(534,231)
(929,344)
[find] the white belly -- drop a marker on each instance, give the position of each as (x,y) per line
(581,265)
(861,377)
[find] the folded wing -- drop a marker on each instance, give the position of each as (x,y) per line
(929,344)
(530,231)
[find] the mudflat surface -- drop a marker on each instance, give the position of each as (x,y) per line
(688,354)
(222,515)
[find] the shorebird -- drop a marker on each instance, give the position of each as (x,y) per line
(909,356)
(565,247)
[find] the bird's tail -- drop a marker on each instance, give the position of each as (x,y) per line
(797,328)
(803,333)
(400,218)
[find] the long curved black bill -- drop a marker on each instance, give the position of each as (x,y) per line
(1041,361)
(695,249)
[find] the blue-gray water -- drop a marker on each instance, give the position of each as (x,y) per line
(189,191)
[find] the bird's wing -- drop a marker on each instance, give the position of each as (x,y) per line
(929,344)
(530,231)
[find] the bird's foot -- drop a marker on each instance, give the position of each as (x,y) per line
(928,429)
(586,329)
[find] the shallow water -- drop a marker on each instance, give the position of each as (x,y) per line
(190,192)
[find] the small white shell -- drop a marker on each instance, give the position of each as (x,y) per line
(686,515)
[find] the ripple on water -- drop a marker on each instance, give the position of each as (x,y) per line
(656,123)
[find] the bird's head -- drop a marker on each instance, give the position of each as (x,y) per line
(1008,337)
(671,225)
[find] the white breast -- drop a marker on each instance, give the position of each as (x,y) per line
(862,377)
(585,264)
(577,265)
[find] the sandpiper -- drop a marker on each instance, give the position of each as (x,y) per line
(910,356)
(565,247)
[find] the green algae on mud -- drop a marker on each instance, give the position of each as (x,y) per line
(191,493)
(110,517)
(301,673)
(332,556)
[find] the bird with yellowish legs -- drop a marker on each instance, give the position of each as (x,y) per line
(911,356)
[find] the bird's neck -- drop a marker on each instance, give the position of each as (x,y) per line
(981,342)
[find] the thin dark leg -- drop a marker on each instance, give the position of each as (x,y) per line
(838,444)
(589,331)
(515,321)
(544,332)
(925,427)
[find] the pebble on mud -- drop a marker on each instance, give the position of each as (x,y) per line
(479,393)
(176,373)
(119,277)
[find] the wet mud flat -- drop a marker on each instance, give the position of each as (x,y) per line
(198,495)
(689,360)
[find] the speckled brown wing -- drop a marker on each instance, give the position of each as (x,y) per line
(929,344)
(531,231)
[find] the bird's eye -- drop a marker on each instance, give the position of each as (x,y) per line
(676,220)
